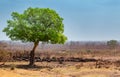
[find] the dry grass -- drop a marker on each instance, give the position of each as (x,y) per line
(8,73)
(61,71)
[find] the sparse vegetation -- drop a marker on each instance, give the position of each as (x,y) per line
(80,61)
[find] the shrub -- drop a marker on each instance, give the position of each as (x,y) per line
(12,67)
(4,56)
(78,66)
(88,51)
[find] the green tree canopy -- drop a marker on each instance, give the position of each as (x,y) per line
(112,44)
(35,25)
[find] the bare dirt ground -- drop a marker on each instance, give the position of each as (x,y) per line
(56,70)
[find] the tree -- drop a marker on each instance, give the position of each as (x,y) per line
(112,44)
(36,25)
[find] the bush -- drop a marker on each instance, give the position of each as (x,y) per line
(78,66)
(4,56)
(88,51)
(12,67)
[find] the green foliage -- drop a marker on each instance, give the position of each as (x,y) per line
(88,51)
(36,24)
(112,43)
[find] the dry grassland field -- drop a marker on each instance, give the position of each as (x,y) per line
(62,61)
(53,69)
(60,38)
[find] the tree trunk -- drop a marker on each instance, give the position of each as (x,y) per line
(32,54)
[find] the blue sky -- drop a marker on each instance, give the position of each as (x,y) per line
(84,20)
